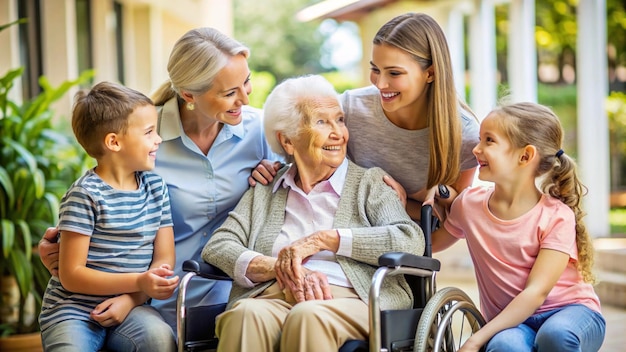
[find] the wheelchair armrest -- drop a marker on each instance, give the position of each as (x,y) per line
(205,270)
(394,259)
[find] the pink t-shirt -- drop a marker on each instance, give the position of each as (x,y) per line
(504,251)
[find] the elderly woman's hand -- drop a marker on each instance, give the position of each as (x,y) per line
(288,266)
(313,286)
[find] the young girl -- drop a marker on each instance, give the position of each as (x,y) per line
(531,251)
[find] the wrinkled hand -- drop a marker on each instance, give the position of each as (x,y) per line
(155,283)
(49,250)
(113,311)
(316,286)
(313,286)
(264,172)
(289,261)
(288,267)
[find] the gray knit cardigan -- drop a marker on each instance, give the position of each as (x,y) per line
(369,207)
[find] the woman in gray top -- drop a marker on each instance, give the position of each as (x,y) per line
(303,249)
(410,122)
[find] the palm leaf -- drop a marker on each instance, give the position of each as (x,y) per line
(5,26)
(8,236)
(26,237)
(22,270)
(24,154)
(6,191)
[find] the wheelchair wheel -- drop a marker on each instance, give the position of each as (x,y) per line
(448,320)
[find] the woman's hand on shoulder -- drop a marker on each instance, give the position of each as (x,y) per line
(49,250)
(396,186)
(264,172)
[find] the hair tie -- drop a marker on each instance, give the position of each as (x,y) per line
(559,153)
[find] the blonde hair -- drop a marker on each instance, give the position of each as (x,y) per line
(534,124)
(102,110)
(420,36)
(195,60)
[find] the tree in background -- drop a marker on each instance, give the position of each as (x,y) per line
(556,32)
(280,44)
(616,34)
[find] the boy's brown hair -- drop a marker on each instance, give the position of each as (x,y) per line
(102,110)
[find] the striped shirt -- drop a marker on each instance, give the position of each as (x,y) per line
(122,226)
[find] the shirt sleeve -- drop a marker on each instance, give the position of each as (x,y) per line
(77,212)
(452,223)
(166,211)
(345,242)
(560,232)
(241,266)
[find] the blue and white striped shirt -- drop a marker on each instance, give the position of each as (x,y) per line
(122,226)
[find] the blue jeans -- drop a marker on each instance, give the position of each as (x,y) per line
(142,330)
(570,328)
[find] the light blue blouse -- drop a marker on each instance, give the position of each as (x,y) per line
(204,188)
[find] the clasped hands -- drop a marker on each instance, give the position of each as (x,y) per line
(297,281)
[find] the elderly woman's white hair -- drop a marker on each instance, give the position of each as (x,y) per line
(289,105)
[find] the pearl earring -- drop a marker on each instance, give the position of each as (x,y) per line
(191,106)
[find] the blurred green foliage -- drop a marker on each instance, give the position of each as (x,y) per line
(617,219)
(561,98)
(264,82)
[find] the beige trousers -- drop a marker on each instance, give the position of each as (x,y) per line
(269,322)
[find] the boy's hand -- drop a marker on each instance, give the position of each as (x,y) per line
(155,283)
(113,311)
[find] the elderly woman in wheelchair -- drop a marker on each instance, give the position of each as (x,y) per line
(302,251)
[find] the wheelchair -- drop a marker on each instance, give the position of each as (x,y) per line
(440,320)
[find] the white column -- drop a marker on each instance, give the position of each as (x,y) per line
(9,42)
(456,43)
(158,48)
(483,58)
(218,14)
(103,24)
(593,130)
(522,51)
(60,60)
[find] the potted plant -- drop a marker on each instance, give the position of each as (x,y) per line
(37,164)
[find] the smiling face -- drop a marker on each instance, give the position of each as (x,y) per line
(402,82)
(321,145)
(228,93)
(495,154)
(140,141)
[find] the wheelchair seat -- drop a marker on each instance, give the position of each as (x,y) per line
(438,320)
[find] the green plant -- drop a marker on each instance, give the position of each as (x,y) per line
(37,164)
(617,219)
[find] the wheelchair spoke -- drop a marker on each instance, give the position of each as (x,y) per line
(447,321)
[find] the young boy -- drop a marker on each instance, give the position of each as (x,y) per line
(116,237)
